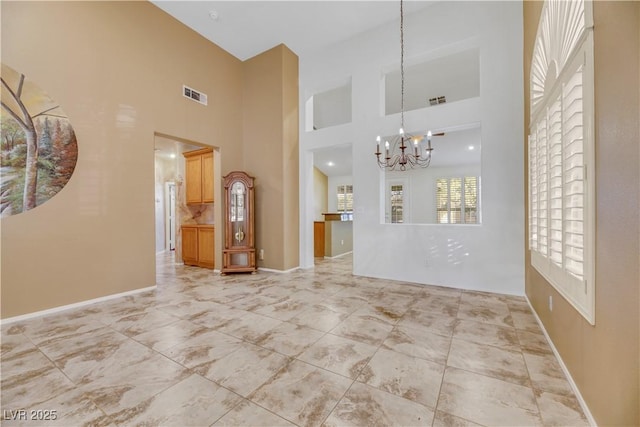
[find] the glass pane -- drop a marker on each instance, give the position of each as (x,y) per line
(238,194)
(240,258)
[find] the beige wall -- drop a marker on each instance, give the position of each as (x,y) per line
(117,70)
(291,159)
(270,130)
(320,194)
(604,360)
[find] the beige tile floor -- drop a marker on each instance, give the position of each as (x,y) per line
(308,348)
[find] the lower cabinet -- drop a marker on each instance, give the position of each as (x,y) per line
(198,245)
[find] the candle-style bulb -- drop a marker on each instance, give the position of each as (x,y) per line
(401,131)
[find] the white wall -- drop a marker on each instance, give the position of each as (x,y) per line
(332,107)
(488,257)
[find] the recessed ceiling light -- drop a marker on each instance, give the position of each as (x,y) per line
(172,155)
(330,163)
(213,14)
(471,147)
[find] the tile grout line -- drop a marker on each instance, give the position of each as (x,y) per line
(446,361)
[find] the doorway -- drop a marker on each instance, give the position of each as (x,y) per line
(332,194)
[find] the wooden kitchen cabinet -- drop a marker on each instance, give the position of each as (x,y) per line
(198,245)
(199,176)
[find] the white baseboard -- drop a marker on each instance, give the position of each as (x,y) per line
(338,256)
(41,313)
(574,387)
(271,270)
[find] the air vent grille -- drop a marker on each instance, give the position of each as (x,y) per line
(437,100)
(194,95)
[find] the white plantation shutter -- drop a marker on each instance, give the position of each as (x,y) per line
(573,160)
(470,200)
(442,201)
(542,185)
(533,192)
(561,153)
(345,198)
(457,200)
(555,182)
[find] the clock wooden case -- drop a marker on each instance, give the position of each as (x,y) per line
(239,254)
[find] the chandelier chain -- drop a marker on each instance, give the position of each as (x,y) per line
(401,65)
(405,150)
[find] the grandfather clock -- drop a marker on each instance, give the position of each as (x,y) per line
(239,255)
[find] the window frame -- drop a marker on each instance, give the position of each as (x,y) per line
(580,293)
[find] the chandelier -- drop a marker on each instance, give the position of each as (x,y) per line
(404,149)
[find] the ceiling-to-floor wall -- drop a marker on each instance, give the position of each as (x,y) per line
(485,257)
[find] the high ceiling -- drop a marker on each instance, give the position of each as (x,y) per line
(247,28)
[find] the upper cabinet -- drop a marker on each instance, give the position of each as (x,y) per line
(199,176)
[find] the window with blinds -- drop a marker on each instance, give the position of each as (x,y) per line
(345,198)
(457,200)
(561,195)
(397,204)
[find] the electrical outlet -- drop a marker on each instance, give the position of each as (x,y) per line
(550,302)
(261,254)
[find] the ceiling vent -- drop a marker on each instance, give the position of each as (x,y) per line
(195,95)
(437,100)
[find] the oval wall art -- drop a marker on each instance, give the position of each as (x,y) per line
(38,148)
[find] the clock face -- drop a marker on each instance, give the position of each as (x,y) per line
(238,214)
